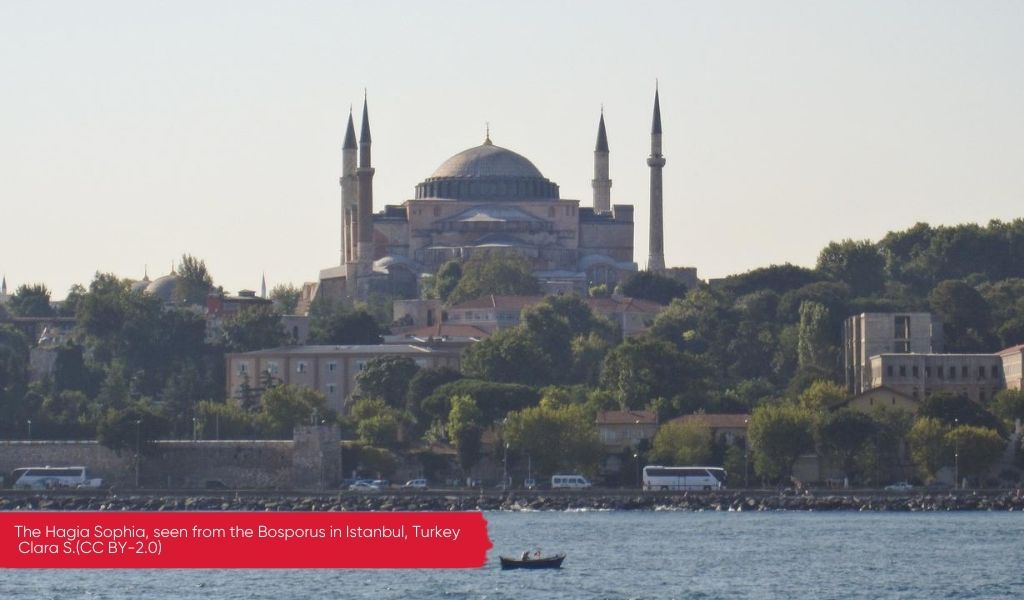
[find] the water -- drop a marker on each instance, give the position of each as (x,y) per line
(639,555)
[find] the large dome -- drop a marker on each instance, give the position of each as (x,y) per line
(487,173)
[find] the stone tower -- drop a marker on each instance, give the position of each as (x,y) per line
(364,174)
(349,187)
(656,256)
(601,184)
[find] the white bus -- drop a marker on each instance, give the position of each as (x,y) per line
(41,478)
(573,482)
(658,478)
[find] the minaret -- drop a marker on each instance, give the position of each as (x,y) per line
(349,186)
(601,184)
(3,290)
(364,235)
(263,286)
(656,257)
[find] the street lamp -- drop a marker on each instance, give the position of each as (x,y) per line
(746,455)
(195,428)
(29,428)
(956,455)
(138,448)
(636,459)
(504,481)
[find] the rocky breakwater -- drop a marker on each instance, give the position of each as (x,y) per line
(517,501)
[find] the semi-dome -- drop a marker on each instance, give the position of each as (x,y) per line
(487,173)
(163,287)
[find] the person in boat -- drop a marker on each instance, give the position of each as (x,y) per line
(526,556)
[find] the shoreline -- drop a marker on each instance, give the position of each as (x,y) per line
(721,501)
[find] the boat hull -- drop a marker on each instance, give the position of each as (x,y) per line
(546,562)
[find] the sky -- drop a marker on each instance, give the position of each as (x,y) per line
(133,132)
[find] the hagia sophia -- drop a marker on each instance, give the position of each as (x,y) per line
(485,199)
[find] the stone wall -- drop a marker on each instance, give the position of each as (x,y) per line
(312,460)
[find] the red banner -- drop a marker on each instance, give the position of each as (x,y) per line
(291,540)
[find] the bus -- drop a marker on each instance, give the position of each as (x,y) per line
(657,478)
(41,478)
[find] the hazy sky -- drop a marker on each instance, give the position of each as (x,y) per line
(131,132)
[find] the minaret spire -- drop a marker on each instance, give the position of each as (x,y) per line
(263,286)
(364,235)
(656,239)
(349,150)
(601,184)
(350,133)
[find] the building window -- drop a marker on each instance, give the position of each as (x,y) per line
(995,371)
(940,372)
(981,372)
(300,368)
(964,372)
(915,371)
(889,370)
(952,373)
(330,388)
(902,331)
(241,368)
(332,367)
(903,370)
(927,371)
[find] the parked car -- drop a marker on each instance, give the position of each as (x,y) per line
(364,486)
(899,486)
(530,484)
(417,484)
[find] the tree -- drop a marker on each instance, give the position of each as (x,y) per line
(648,285)
(844,434)
(977,448)
(31,301)
(642,369)
(284,407)
(561,438)
(1008,405)
(508,356)
(194,282)
(966,317)
(494,273)
(465,429)
(446,280)
(14,360)
(928,446)
(224,421)
(494,400)
(377,423)
(954,409)
(683,443)
(857,263)
(285,297)
(335,324)
(256,328)
(134,427)
(779,434)
(387,378)
(822,395)
(814,347)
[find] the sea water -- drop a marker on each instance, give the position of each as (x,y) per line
(638,555)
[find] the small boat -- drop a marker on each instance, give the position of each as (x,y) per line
(532,561)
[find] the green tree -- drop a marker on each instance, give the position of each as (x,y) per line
(647,285)
(194,282)
(132,428)
(465,429)
(1008,405)
(387,378)
(928,446)
(779,434)
(285,297)
(642,369)
(256,328)
(493,399)
(494,273)
(377,424)
(557,439)
(446,280)
(284,407)
(954,409)
(508,356)
(965,315)
(224,421)
(337,325)
(978,448)
(822,395)
(843,436)
(31,301)
(682,443)
(814,349)
(857,263)
(14,357)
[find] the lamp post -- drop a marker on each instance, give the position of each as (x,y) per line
(504,481)
(138,448)
(956,455)
(195,429)
(29,421)
(746,455)
(636,459)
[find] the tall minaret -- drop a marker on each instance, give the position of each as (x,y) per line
(364,235)
(349,186)
(656,257)
(263,286)
(601,184)
(3,290)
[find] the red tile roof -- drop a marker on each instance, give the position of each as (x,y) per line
(1012,350)
(626,417)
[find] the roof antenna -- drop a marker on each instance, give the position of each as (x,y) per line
(487,138)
